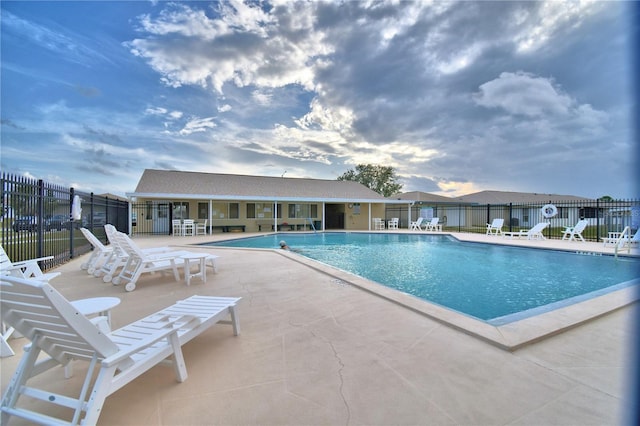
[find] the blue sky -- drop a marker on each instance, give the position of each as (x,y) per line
(457,97)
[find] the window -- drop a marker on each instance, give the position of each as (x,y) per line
(226,210)
(303,211)
(590,213)
(251,211)
(203,210)
(180,210)
(563,213)
(234,210)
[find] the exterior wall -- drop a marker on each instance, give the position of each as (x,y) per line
(291,215)
(357,216)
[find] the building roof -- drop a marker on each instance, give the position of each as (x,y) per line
(489,197)
(423,196)
(505,197)
(173,184)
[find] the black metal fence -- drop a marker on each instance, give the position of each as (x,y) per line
(604,216)
(36,219)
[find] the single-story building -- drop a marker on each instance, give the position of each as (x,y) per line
(251,203)
(519,209)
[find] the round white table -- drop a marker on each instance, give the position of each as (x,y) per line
(96,306)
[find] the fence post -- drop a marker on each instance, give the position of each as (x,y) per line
(597,219)
(71,223)
(40,206)
(510,217)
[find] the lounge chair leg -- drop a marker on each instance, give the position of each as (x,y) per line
(99,394)
(179,365)
(234,320)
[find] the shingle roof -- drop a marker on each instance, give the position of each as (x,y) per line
(490,197)
(423,196)
(181,184)
(502,197)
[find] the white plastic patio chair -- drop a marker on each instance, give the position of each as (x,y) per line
(393,223)
(575,232)
(188,227)
(99,255)
(378,224)
(534,233)
(176,227)
(201,227)
(495,227)
(433,225)
(25,268)
(57,329)
(417,225)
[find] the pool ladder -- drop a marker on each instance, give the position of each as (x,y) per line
(312,225)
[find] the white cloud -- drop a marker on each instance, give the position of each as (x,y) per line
(551,18)
(525,94)
(198,125)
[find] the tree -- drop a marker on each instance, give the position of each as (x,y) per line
(381,179)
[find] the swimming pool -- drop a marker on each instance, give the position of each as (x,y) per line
(494,283)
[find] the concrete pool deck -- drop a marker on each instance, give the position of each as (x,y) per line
(317,350)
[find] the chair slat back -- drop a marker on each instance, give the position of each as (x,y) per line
(5,262)
(93,240)
(41,314)
(539,227)
(129,247)
(580,226)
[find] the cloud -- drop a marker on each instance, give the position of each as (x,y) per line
(457,96)
(197,125)
(525,94)
(60,42)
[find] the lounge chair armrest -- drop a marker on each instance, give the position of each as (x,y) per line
(27,262)
(164,255)
(167,329)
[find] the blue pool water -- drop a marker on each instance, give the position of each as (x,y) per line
(490,282)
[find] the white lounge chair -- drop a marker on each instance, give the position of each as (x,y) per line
(534,233)
(417,225)
(141,261)
(25,268)
(138,262)
(615,238)
(622,240)
(633,241)
(575,232)
(118,258)
(57,329)
(99,255)
(433,225)
(495,227)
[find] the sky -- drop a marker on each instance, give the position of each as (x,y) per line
(457,97)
